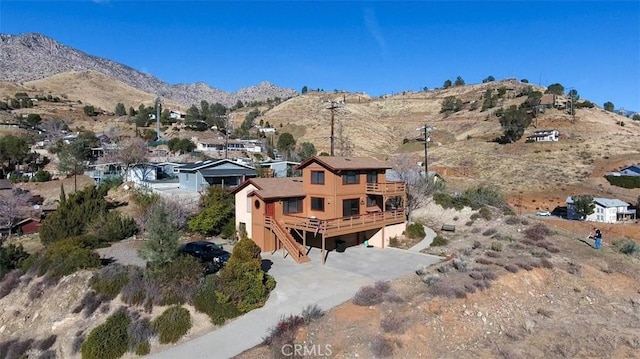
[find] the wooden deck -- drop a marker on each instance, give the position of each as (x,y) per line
(386,188)
(345,225)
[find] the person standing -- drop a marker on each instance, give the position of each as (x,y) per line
(598,238)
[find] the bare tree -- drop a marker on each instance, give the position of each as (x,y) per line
(130,152)
(420,187)
(13,204)
(54,129)
(345,146)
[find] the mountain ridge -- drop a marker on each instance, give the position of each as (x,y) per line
(34,56)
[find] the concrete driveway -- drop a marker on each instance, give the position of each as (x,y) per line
(299,285)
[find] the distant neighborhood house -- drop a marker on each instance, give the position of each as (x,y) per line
(544,136)
(633,170)
(196,177)
(606,210)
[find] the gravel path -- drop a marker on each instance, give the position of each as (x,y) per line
(124,252)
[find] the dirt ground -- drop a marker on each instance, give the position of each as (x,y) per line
(531,312)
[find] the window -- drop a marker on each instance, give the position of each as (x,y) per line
(372,177)
(350,207)
(293,206)
(317,177)
(256,203)
(351,177)
(317,204)
(371,201)
(248,204)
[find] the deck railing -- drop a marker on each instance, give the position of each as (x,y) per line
(386,188)
(352,223)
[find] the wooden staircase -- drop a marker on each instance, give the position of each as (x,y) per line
(295,249)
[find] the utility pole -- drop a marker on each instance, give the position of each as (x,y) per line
(426,130)
(226,136)
(332,108)
(158,110)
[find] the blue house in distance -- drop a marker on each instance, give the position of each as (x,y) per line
(196,177)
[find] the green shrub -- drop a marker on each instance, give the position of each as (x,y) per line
(109,340)
(111,182)
(208,299)
(485,213)
(42,176)
(110,280)
(242,280)
(112,227)
(11,257)
(627,246)
(415,231)
(484,196)
(448,201)
(229,229)
(624,181)
(63,258)
(73,215)
(143,348)
(496,246)
(172,324)
(174,282)
(439,241)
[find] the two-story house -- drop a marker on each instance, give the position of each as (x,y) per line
(338,202)
(606,210)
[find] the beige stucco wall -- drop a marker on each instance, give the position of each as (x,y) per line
(243,208)
(389,232)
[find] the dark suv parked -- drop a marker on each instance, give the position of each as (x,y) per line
(212,255)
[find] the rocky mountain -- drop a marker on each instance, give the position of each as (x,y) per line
(33,56)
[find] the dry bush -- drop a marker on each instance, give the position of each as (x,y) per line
(511,220)
(393,323)
(512,268)
(476,245)
(484,261)
(537,232)
(482,284)
(393,297)
(490,232)
(475,230)
(525,266)
(445,268)
(469,223)
(528,242)
(89,303)
(368,295)
(382,286)
(460,265)
(492,254)
(545,263)
(311,312)
(382,347)
(469,288)
(10,282)
(448,290)
(496,246)
(573,268)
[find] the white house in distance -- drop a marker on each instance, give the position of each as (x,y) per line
(606,210)
(544,136)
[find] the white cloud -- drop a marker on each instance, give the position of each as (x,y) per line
(371,23)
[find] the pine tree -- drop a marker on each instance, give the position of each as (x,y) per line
(162,243)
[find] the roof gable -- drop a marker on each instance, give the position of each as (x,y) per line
(272,188)
(346,163)
(222,164)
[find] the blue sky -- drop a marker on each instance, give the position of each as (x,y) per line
(375,47)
